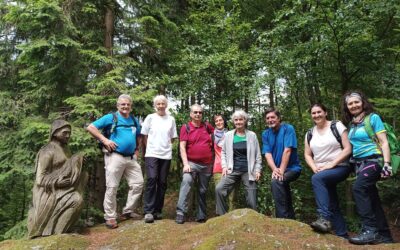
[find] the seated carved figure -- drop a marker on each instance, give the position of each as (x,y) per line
(57,191)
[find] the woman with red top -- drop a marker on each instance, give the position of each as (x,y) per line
(221,127)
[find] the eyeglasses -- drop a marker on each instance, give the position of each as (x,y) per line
(197,112)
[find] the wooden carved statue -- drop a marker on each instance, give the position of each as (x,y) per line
(57,198)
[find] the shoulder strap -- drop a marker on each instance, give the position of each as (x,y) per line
(187,126)
(115,121)
(335,132)
(368,128)
(309,135)
(207,127)
(135,122)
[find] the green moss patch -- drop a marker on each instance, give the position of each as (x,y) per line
(63,241)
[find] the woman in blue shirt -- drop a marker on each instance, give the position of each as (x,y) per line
(370,159)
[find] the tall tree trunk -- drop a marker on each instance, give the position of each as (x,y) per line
(246,104)
(109,34)
(162,90)
(272,94)
(23,198)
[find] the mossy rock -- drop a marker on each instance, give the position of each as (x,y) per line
(62,241)
(239,229)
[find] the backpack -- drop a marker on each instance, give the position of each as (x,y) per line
(334,130)
(110,129)
(394,144)
(187,128)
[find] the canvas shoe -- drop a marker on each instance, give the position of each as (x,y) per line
(149,218)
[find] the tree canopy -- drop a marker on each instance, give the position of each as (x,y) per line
(71,59)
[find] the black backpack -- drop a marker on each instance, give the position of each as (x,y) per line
(187,128)
(334,130)
(110,129)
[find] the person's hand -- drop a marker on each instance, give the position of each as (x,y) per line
(258,176)
(387,171)
(314,169)
(136,154)
(224,171)
(325,167)
(186,168)
(109,145)
(276,174)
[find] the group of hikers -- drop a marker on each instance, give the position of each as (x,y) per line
(234,156)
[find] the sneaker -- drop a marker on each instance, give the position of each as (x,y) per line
(180,219)
(365,237)
(157,216)
(111,223)
(127,216)
(321,225)
(148,218)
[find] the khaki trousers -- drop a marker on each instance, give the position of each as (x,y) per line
(117,166)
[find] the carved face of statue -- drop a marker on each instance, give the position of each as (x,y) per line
(63,134)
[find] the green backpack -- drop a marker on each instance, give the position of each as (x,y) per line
(394,144)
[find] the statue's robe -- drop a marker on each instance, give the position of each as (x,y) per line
(55,207)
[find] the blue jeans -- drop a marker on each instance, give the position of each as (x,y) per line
(324,184)
(283,195)
(200,174)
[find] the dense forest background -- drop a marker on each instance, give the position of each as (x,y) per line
(72,58)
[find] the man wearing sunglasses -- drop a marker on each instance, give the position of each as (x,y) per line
(197,158)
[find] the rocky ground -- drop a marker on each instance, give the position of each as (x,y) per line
(240,229)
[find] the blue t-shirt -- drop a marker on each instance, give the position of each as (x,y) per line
(124,134)
(363,145)
(276,142)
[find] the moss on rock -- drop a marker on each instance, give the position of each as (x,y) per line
(240,229)
(62,241)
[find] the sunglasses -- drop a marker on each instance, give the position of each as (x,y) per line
(197,112)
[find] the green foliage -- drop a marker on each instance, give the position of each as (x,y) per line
(226,55)
(18,231)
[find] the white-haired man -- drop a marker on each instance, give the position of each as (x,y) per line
(120,158)
(159,131)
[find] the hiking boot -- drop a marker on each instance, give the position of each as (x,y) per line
(369,236)
(180,219)
(321,225)
(148,218)
(111,223)
(157,216)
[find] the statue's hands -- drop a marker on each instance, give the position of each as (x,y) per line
(64,182)
(109,145)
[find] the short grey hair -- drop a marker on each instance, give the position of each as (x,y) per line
(126,97)
(160,98)
(240,114)
(195,105)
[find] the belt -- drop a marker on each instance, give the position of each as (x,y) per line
(370,157)
(125,155)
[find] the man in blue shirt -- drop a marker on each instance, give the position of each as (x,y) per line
(120,158)
(280,150)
